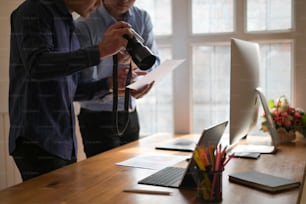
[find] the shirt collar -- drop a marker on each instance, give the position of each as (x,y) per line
(106,15)
(127,15)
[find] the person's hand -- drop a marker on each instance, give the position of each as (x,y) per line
(139,93)
(113,40)
(122,75)
(124,58)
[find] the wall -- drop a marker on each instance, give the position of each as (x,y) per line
(9,174)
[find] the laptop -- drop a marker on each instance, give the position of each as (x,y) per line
(178,177)
(186,144)
(179,144)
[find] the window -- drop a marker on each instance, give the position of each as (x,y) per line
(202,95)
(210,92)
(155,109)
(268,15)
(161,15)
(211,16)
(211,71)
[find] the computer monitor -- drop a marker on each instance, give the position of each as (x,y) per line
(245,94)
(244,101)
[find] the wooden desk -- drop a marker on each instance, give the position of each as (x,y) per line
(99,180)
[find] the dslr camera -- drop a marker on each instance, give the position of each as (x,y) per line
(141,54)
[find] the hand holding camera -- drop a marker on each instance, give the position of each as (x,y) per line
(113,41)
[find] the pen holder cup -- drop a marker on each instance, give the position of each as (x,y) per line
(209,186)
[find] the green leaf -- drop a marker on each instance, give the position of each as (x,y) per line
(304,119)
(271,104)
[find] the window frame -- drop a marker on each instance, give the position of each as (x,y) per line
(182,40)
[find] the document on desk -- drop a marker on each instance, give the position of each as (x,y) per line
(156,74)
(153,161)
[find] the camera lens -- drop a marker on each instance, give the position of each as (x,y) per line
(141,55)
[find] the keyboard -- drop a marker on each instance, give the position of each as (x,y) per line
(168,177)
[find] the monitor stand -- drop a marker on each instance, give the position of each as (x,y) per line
(260,145)
(270,123)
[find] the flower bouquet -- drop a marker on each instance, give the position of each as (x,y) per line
(287,119)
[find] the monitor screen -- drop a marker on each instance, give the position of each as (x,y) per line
(244,100)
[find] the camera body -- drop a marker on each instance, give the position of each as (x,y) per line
(141,54)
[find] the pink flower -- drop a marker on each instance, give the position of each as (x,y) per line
(297,114)
(285,116)
(287,123)
(291,110)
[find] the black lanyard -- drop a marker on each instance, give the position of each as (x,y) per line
(127,97)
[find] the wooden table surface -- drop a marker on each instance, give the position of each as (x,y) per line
(100,180)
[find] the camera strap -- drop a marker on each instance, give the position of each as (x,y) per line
(116,129)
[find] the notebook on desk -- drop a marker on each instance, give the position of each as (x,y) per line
(263,181)
(177,177)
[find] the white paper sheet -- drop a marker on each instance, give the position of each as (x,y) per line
(156,74)
(153,161)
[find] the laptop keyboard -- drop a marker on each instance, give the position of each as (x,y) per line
(169,177)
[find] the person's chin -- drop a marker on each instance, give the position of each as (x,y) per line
(121,8)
